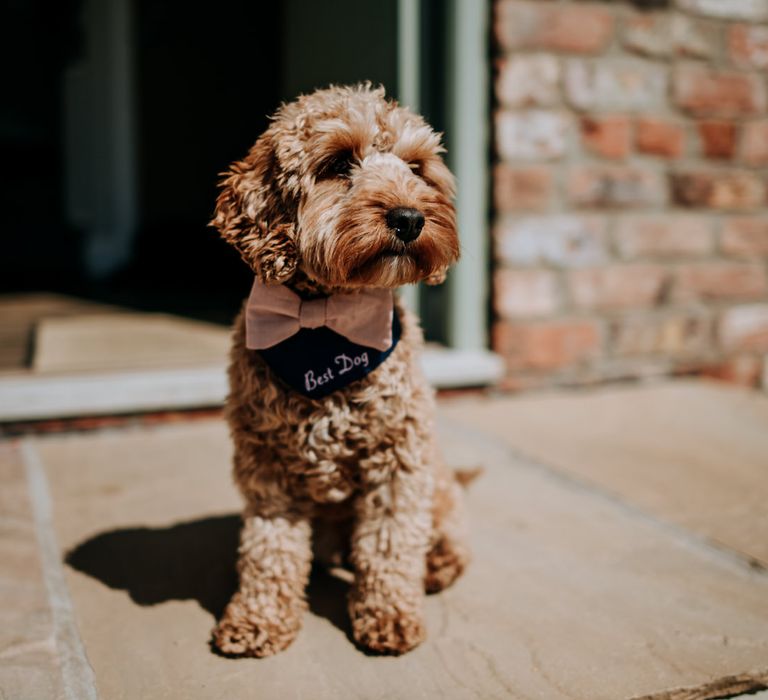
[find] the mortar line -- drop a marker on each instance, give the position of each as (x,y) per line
(702,544)
(77,674)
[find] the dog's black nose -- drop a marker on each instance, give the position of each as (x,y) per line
(405,222)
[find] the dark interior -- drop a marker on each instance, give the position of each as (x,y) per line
(205,76)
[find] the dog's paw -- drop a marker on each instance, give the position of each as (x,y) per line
(241,632)
(386,631)
(445,563)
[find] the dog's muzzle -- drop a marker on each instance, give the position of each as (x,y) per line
(406,223)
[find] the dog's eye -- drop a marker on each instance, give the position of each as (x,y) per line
(417,168)
(338,165)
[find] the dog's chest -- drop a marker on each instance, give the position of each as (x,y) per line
(328,450)
(342,453)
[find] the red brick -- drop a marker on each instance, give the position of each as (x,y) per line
(648,34)
(618,286)
(525,293)
(756,10)
(748,46)
(524,187)
(705,92)
(718,189)
(754,143)
(549,345)
(719,281)
(664,236)
(528,81)
(743,370)
(620,83)
(583,28)
(675,334)
(606,136)
(614,186)
(665,34)
(718,139)
(660,137)
(745,236)
(744,328)
(563,240)
(534,134)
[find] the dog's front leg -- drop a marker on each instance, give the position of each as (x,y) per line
(265,614)
(389,546)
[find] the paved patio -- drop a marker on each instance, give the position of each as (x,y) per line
(620,540)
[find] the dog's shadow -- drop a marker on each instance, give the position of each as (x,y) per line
(192,560)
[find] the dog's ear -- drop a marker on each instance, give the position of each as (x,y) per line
(252,215)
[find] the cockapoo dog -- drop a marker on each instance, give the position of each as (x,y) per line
(342,199)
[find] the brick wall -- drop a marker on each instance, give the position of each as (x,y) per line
(630,189)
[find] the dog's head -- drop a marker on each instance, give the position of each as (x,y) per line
(345,187)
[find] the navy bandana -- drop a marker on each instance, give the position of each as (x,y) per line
(318,361)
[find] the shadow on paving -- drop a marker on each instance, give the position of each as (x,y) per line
(194,560)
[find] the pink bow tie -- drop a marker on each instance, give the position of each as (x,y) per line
(274,313)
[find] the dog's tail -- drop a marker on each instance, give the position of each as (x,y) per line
(465,477)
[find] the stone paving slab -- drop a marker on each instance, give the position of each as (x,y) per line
(693,453)
(571,595)
(29,666)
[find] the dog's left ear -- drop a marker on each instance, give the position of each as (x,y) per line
(252,215)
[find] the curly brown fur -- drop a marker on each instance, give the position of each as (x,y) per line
(307,208)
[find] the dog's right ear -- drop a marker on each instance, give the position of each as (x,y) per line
(252,215)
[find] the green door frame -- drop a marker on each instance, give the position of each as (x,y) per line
(467,99)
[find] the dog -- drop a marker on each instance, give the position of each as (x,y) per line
(343,198)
